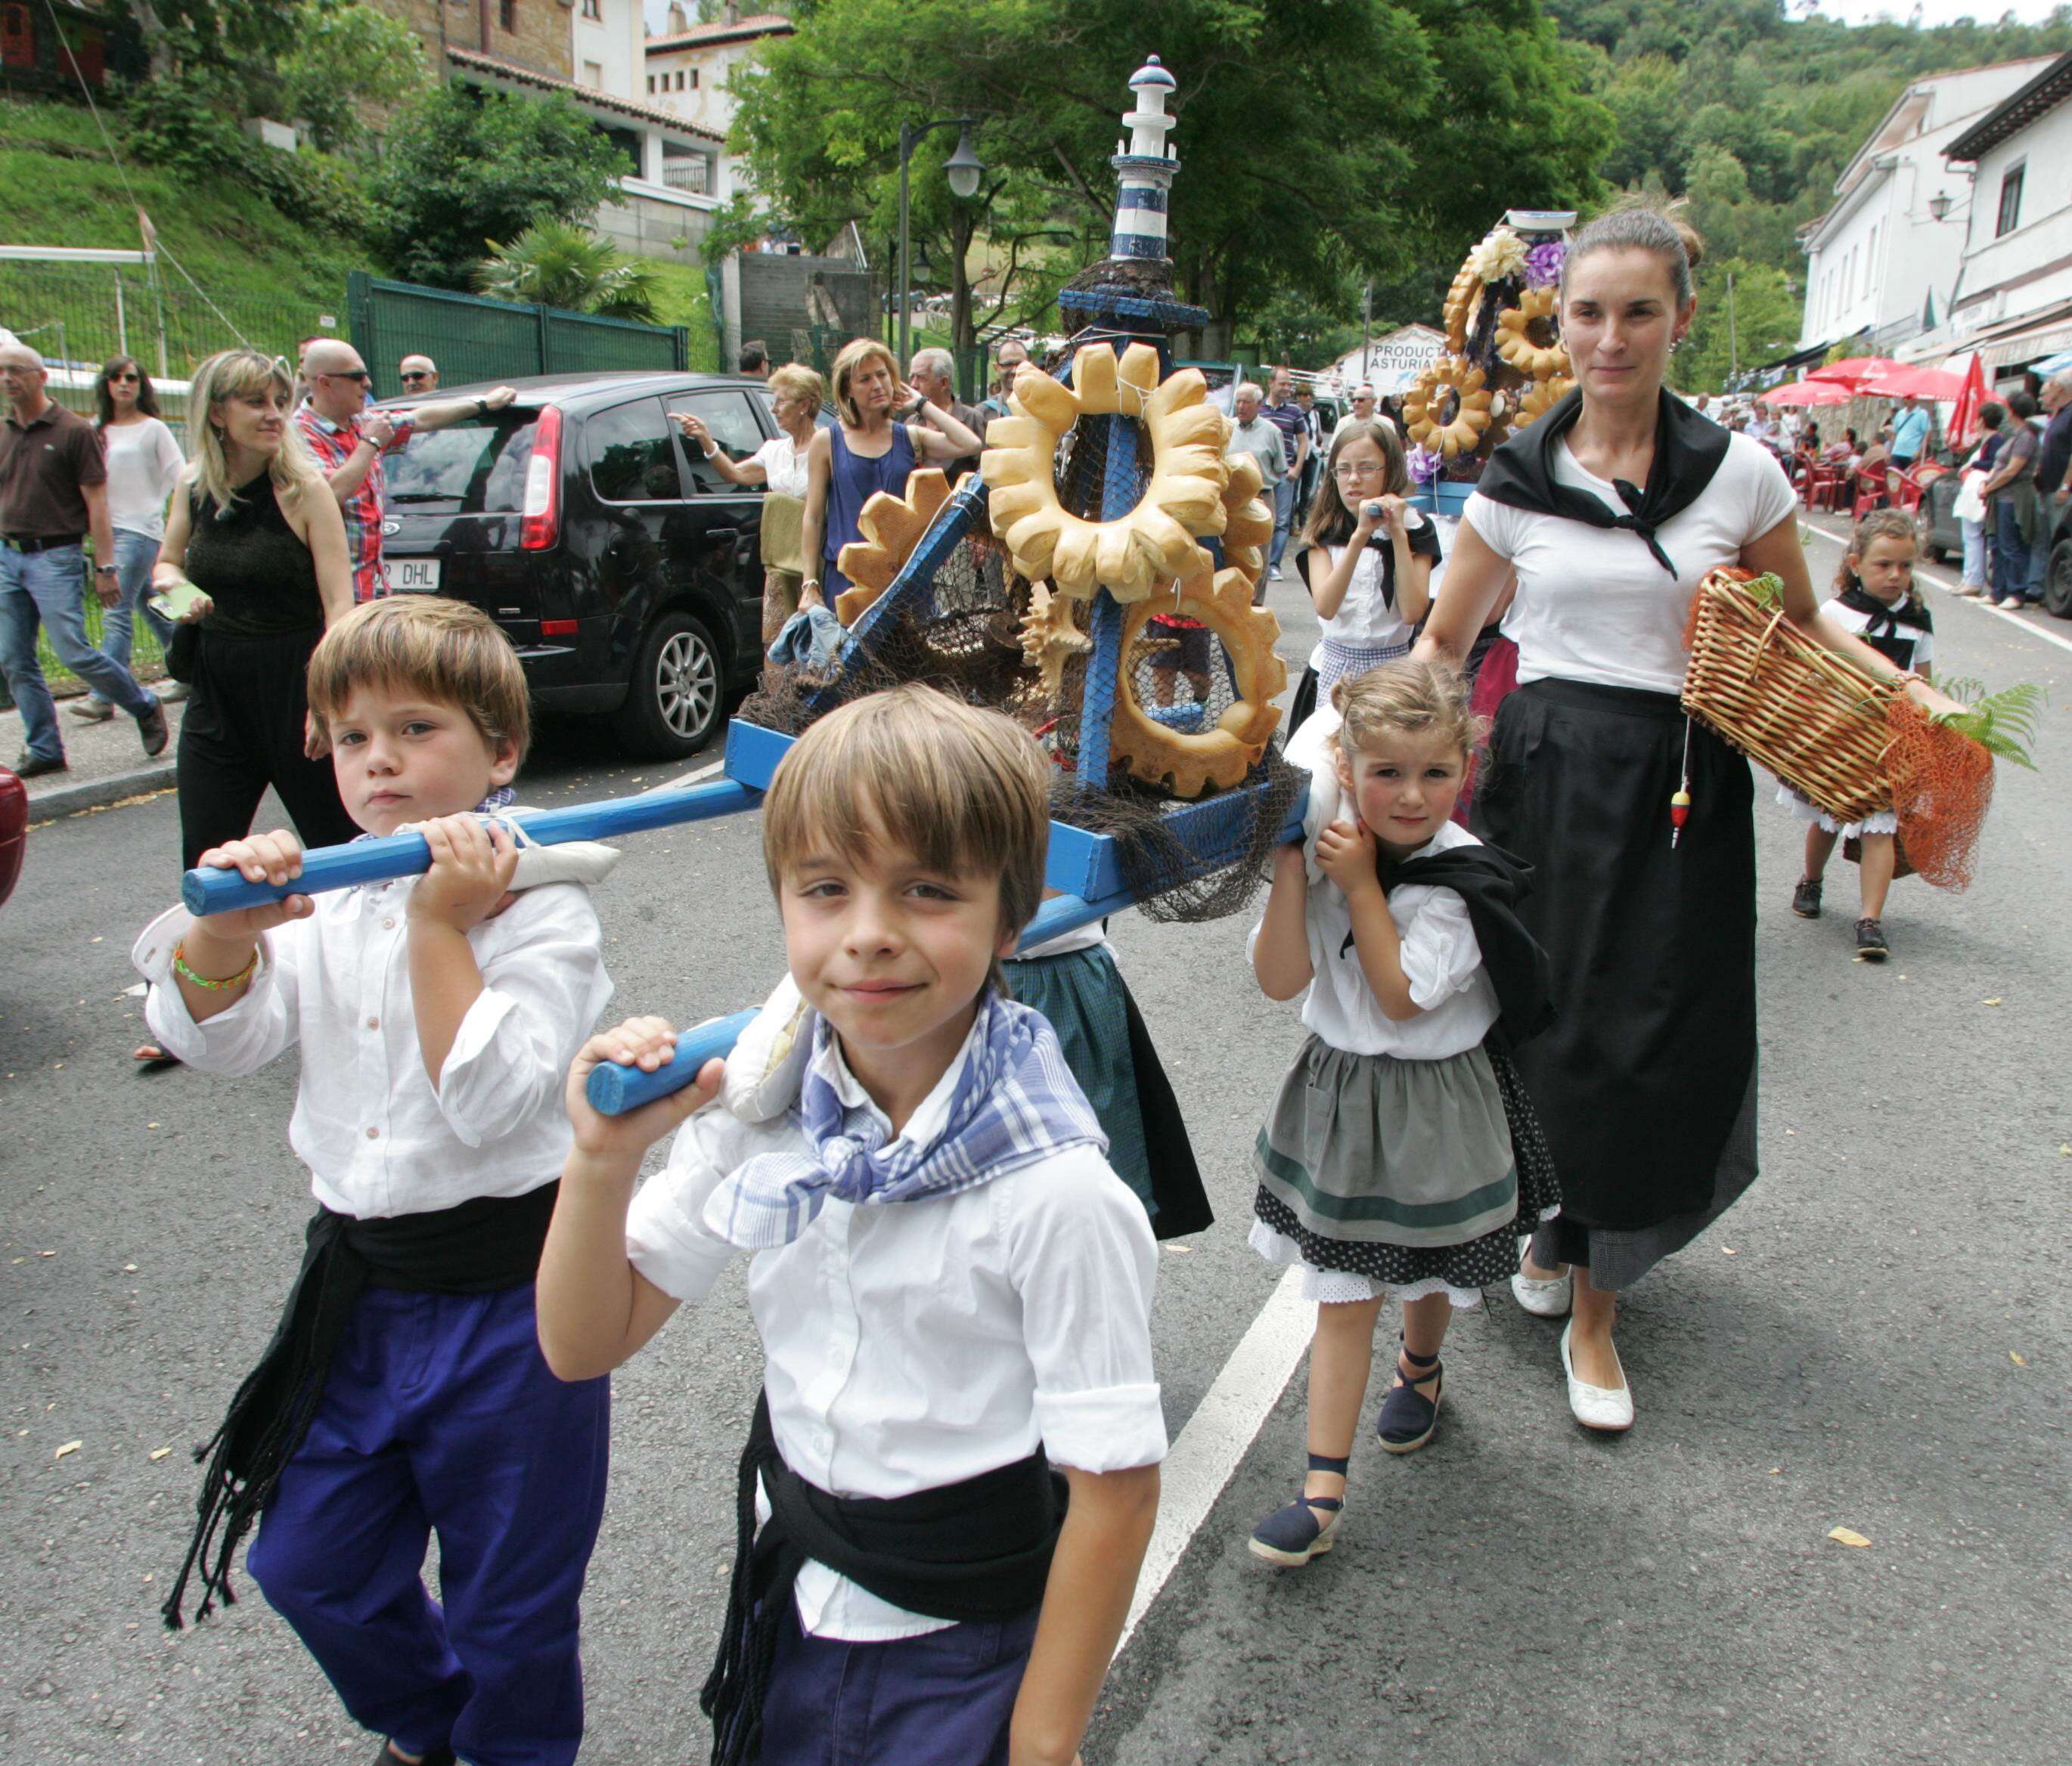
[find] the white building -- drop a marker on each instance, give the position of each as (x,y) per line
(2012,300)
(606,42)
(689,66)
(1881,261)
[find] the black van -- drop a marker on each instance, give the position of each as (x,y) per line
(627,571)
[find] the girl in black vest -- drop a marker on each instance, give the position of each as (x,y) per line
(1875,598)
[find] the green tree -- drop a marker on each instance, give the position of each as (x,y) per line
(1319,143)
(557,264)
(1759,324)
(460,168)
(344,51)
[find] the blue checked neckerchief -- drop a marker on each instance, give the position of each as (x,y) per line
(1015,1101)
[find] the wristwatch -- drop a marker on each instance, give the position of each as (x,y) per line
(482,407)
(104,570)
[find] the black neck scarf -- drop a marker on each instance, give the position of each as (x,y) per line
(1885,618)
(1492,883)
(1688,450)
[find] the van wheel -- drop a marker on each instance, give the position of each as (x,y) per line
(676,696)
(2058,584)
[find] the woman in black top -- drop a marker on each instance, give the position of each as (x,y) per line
(256,529)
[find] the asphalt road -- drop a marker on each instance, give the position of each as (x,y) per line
(1877,1338)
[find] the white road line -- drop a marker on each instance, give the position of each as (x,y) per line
(1216,1437)
(683,779)
(1949,586)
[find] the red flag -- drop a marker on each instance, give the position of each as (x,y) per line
(1964,419)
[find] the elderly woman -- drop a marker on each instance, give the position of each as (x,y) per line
(875,447)
(796,395)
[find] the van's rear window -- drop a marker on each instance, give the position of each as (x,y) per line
(477,467)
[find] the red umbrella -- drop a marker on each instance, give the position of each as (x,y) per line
(1855,370)
(1916,383)
(1965,418)
(1807,393)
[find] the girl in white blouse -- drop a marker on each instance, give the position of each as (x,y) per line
(1386,1165)
(144,463)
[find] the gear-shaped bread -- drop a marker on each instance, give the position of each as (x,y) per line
(1462,299)
(892,527)
(1187,764)
(1542,397)
(1248,525)
(1130,555)
(1460,434)
(1514,336)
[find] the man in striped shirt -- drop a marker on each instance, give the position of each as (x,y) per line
(348,441)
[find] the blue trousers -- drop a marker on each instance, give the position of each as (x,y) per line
(135,553)
(48,589)
(440,1413)
(2010,554)
(943,1699)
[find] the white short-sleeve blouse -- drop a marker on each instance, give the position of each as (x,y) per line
(1593,604)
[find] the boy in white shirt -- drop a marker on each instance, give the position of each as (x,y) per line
(405,1391)
(952,1284)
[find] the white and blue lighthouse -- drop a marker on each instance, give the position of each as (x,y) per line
(1144,168)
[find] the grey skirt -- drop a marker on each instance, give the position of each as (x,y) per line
(1369,1149)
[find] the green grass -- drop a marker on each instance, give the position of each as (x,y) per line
(681,299)
(63,189)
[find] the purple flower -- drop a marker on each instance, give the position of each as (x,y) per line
(1543,264)
(1424,465)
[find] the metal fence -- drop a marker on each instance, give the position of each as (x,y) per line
(475,338)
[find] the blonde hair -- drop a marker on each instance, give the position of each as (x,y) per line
(238,374)
(965,790)
(795,380)
(1408,697)
(854,354)
(446,650)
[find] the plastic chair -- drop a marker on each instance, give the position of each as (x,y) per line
(1823,486)
(1867,500)
(1906,491)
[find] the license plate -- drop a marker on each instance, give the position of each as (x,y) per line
(414,576)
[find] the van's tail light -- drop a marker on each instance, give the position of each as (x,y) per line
(541,524)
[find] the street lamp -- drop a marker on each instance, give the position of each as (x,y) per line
(963,169)
(1938,206)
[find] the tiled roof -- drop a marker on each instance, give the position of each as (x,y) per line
(586,95)
(760,24)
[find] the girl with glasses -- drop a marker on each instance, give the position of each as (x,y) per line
(144,461)
(1366,558)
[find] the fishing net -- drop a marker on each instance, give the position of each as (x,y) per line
(958,619)
(1941,788)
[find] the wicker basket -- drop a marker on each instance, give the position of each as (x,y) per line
(1815,720)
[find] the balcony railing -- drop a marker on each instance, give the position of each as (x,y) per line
(691,175)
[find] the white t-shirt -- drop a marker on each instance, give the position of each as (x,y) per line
(784,462)
(143,462)
(1593,603)
(1442,961)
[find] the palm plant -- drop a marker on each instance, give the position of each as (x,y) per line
(555,265)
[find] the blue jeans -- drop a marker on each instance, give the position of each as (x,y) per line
(49,588)
(2010,554)
(135,553)
(1975,553)
(1283,516)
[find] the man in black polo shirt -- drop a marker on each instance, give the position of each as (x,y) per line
(53,491)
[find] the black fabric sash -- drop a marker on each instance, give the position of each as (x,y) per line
(1883,634)
(1492,882)
(970,1552)
(479,1247)
(1688,450)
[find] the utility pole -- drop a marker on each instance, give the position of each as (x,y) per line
(1366,332)
(1733,341)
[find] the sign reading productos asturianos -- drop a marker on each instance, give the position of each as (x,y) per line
(1394,361)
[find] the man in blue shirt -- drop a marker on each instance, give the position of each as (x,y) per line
(1910,434)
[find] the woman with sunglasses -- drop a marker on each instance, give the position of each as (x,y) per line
(143,462)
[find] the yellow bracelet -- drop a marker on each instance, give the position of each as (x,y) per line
(180,968)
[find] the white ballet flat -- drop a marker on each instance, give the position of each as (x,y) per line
(1605,1408)
(1544,1296)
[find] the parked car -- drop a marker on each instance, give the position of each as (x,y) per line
(1942,538)
(14,829)
(627,571)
